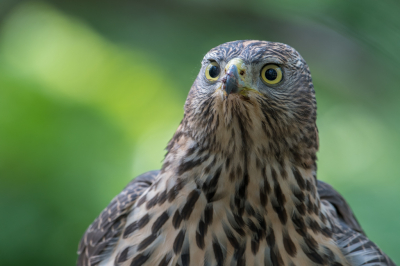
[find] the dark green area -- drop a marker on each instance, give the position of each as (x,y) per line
(91,92)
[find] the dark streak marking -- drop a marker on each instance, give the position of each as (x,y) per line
(141,201)
(130,229)
(208,214)
(299,179)
(185,166)
(123,256)
(299,195)
(185,258)
(159,222)
(165,260)
(200,240)
(249,209)
(301,227)
(279,195)
(140,260)
(143,221)
(146,242)
(219,256)
(274,176)
(326,232)
(276,258)
(270,238)
(263,198)
(280,210)
(289,245)
(162,198)
(232,239)
(189,205)
(177,219)
(177,246)
(315,226)
(301,208)
(252,226)
(151,203)
(310,242)
(255,245)
(173,192)
(239,255)
(314,256)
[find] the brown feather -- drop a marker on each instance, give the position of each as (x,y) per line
(102,233)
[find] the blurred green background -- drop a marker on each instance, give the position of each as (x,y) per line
(91,92)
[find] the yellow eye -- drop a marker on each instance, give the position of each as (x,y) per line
(271,74)
(212,71)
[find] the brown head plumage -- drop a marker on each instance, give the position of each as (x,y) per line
(282,114)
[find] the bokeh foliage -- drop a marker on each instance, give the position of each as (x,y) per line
(91,92)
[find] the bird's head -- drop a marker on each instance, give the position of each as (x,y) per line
(263,87)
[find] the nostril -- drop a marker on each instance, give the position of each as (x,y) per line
(242,72)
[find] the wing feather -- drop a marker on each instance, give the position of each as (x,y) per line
(101,236)
(348,234)
(358,249)
(328,193)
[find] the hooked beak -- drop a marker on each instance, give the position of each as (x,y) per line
(232,82)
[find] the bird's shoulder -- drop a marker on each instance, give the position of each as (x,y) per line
(347,231)
(104,232)
(329,195)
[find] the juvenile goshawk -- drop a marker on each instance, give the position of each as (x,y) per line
(238,184)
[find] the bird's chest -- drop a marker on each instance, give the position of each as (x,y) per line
(195,231)
(219,238)
(221,219)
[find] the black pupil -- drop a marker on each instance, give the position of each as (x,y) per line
(271,74)
(214,71)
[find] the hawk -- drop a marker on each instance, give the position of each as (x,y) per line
(238,184)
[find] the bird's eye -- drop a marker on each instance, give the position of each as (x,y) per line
(271,74)
(212,71)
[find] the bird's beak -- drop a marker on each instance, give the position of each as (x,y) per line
(233,81)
